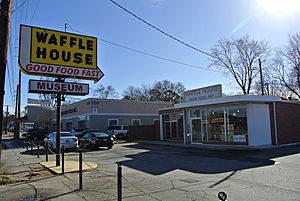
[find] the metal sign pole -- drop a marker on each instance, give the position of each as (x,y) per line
(58,126)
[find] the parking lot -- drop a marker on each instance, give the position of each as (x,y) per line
(155,172)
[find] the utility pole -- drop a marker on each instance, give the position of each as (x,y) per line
(19,106)
(16,112)
(5,15)
(261,78)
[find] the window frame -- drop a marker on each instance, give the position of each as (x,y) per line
(109,120)
(139,120)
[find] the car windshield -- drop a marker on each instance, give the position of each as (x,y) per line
(100,134)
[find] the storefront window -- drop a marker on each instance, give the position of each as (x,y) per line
(173,126)
(180,126)
(216,129)
(195,113)
(237,130)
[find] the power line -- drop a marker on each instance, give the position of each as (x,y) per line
(148,54)
(158,57)
(161,31)
(34,11)
(19,6)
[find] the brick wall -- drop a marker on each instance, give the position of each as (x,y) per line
(288,122)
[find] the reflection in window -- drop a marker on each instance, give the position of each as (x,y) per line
(237,130)
(216,131)
(173,126)
(195,113)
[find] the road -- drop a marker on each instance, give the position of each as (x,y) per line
(154,172)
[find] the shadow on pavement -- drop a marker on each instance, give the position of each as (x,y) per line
(62,194)
(13,143)
(159,159)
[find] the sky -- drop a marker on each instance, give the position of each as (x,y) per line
(200,23)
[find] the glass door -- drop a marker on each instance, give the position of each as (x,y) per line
(196,131)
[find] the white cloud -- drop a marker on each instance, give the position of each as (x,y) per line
(154,3)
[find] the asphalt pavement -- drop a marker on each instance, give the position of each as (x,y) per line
(156,172)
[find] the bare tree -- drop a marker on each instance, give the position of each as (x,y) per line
(160,91)
(239,57)
(134,93)
(105,92)
(287,65)
(48,98)
(168,91)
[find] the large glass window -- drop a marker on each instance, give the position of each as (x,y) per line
(219,125)
(180,126)
(237,130)
(173,126)
(216,129)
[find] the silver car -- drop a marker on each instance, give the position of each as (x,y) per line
(67,140)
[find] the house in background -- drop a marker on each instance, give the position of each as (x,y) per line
(36,116)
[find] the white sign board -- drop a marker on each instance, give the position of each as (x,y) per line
(49,87)
(203,93)
(38,102)
(239,138)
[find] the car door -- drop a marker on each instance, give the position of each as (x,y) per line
(84,140)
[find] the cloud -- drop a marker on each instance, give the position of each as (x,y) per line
(154,3)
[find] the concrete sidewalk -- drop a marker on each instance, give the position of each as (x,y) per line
(31,180)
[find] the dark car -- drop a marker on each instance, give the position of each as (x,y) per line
(95,139)
(78,132)
(37,134)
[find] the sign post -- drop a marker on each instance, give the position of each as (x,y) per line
(51,53)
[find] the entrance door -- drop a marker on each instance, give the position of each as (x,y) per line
(196,131)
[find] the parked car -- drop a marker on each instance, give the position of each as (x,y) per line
(36,134)
(78,132)
(120,131)
(68,140)
(94,139)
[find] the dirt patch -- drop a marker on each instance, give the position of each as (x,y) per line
(6,178)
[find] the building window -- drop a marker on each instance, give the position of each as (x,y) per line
(237,130)
(94,109)
(81,124)
(226,125)
(173,126)
(155,121)
(136,122)
(68,126)
(113,122)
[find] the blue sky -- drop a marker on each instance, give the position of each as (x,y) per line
(197,22)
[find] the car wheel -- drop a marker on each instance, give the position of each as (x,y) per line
(110,147)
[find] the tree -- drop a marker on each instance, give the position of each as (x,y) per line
(160,91)
(287,65)
(48,98)
(167,91)
(134,93)
(105,92)
(239,57)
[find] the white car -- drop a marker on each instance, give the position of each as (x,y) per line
(67,140)
(119,131)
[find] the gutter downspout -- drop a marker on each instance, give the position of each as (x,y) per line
(275,124)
